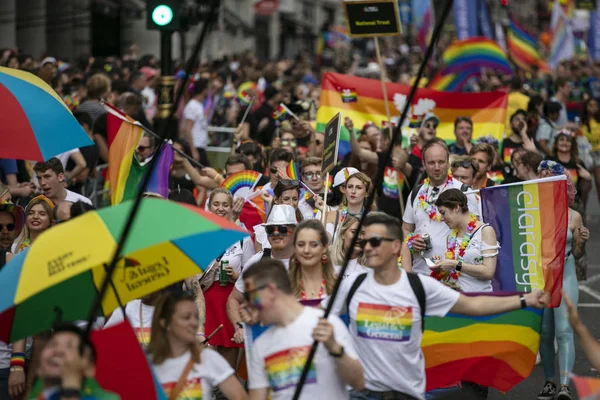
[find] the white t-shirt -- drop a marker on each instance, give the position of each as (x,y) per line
(474,256)
(194,111)
(307,211)
(354,268)
(385,322)
(142,328)
(437,230)
(75,197)
(279,354)
(239,284)
(212,370)
(238,255)
(64,157)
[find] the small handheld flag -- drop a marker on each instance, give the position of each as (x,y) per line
(283,113)
(293,171)
(348,95)
(385,124)
(587,388)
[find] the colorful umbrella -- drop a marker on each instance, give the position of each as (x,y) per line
(35,124)
(58,277)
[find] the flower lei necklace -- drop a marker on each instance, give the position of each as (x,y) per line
(452,276)
(423,199)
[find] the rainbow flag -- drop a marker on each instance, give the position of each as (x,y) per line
(522,46)
(293,171)
(348,95)
(588,388)
(159,181)
(477,52)
(488,110)
(282,113)
(424,20)
(452,82)
(497,351)
(123,137)
(532,234)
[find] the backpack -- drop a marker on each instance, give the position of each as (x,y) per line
(415,284)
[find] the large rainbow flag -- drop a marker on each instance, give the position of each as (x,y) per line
(522,46)
(476,52)
(486,109)
(497,351)
(531,222)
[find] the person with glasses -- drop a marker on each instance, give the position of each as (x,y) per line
(145,148)
(311,176)
(288,142)
(183,368)
(312,273)
(464,169)
(422,216)
(279,228)
(341,245)
(391,353)
(279,354)
(426,132)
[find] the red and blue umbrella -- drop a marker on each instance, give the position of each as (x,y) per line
(35,124)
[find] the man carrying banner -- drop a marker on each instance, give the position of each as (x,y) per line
(386,308)
(421,215)
(279,354)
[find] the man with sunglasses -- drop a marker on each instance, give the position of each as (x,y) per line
(279,353)
(280,228)
(386,307)
(464,169)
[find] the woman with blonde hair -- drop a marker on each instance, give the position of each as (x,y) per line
(184,369)
(312,274)
(356,190)
(38,218)
(341,244)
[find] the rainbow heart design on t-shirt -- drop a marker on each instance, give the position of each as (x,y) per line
(383,322)
(285,367)
(191,391)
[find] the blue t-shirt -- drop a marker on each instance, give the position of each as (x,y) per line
(7,166)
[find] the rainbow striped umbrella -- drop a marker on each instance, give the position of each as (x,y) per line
(58,277)
(35,124)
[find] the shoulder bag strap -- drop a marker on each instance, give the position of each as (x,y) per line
(419,290)
(181,382)
(357,282)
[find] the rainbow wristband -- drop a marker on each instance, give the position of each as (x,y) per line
(409,241)
(17,360)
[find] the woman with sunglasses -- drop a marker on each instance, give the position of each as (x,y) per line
(184,369)
(342,243)
(472,249)
(218,280)
(312,273)
(555,321)
(355,191)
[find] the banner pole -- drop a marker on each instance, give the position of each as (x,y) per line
(383,88)
(324,210)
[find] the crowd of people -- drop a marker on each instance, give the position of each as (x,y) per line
(284,271)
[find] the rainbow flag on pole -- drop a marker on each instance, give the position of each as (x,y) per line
(477,52)
(282,113)
(522,46)
(588,388)
(488,110)
(159,181)
(123,137)
(497,351)
(531,222)
(293,171)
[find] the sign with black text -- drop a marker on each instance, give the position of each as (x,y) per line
(332,141)
(589,5)
(372,17)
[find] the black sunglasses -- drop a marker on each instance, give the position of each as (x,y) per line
(273,170)
(463,163)
(289,182)
(9,227)
(318,142)
(374,241)
(282,229)
(248,293)
(142,148)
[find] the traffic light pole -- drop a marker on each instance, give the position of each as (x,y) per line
(166,87)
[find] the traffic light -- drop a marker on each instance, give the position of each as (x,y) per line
(166,15)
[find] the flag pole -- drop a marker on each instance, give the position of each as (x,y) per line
(97,305)
(323,212)
(377,182)
(383,87)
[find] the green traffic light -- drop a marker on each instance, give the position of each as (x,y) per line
(162,15)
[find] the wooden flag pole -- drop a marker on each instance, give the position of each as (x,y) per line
(383,88)
(323,211)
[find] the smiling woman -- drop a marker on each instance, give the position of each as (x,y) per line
(37,219)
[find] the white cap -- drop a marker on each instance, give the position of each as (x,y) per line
(282,214)
(48,60)
(342,176)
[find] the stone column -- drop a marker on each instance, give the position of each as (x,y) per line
(59,29)
(31,27)
(8,24)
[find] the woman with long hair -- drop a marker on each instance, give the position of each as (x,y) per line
(38,218)
(355,191)
(555,321)
(184,369)
(341,245)
(565,152)
(218,280)
(312,273)
(590,126)
(369,143)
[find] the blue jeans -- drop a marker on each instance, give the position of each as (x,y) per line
(4,372)
(555,323)
(369,395)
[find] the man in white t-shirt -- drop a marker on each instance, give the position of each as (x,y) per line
(279,354)
(423,217)
(51,178)
(195,124)
(385,313)
(280,233)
